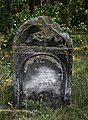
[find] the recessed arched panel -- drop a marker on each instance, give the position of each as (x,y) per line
(42,74)
(42,62)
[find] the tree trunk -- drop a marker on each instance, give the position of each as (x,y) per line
(33,3)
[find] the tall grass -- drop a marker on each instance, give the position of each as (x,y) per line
(77,110)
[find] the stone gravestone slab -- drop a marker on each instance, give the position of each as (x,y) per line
(42,63)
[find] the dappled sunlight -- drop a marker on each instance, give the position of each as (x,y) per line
(72,16)
(80,75)
(76,58)
(79,65)
(85,47)
(78,110)
(80,80)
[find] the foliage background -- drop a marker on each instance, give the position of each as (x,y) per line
(71,16)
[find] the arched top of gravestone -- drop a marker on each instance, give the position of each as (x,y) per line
(41,31)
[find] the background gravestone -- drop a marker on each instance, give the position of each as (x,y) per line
(42,63)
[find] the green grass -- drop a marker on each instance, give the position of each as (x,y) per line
(77,110)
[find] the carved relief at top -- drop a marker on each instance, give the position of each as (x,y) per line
(41,31)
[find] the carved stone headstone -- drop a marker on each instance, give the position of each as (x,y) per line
(42,62)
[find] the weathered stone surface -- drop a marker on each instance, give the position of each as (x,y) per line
(42,62)
(40,30)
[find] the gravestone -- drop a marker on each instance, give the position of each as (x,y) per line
(42,63)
